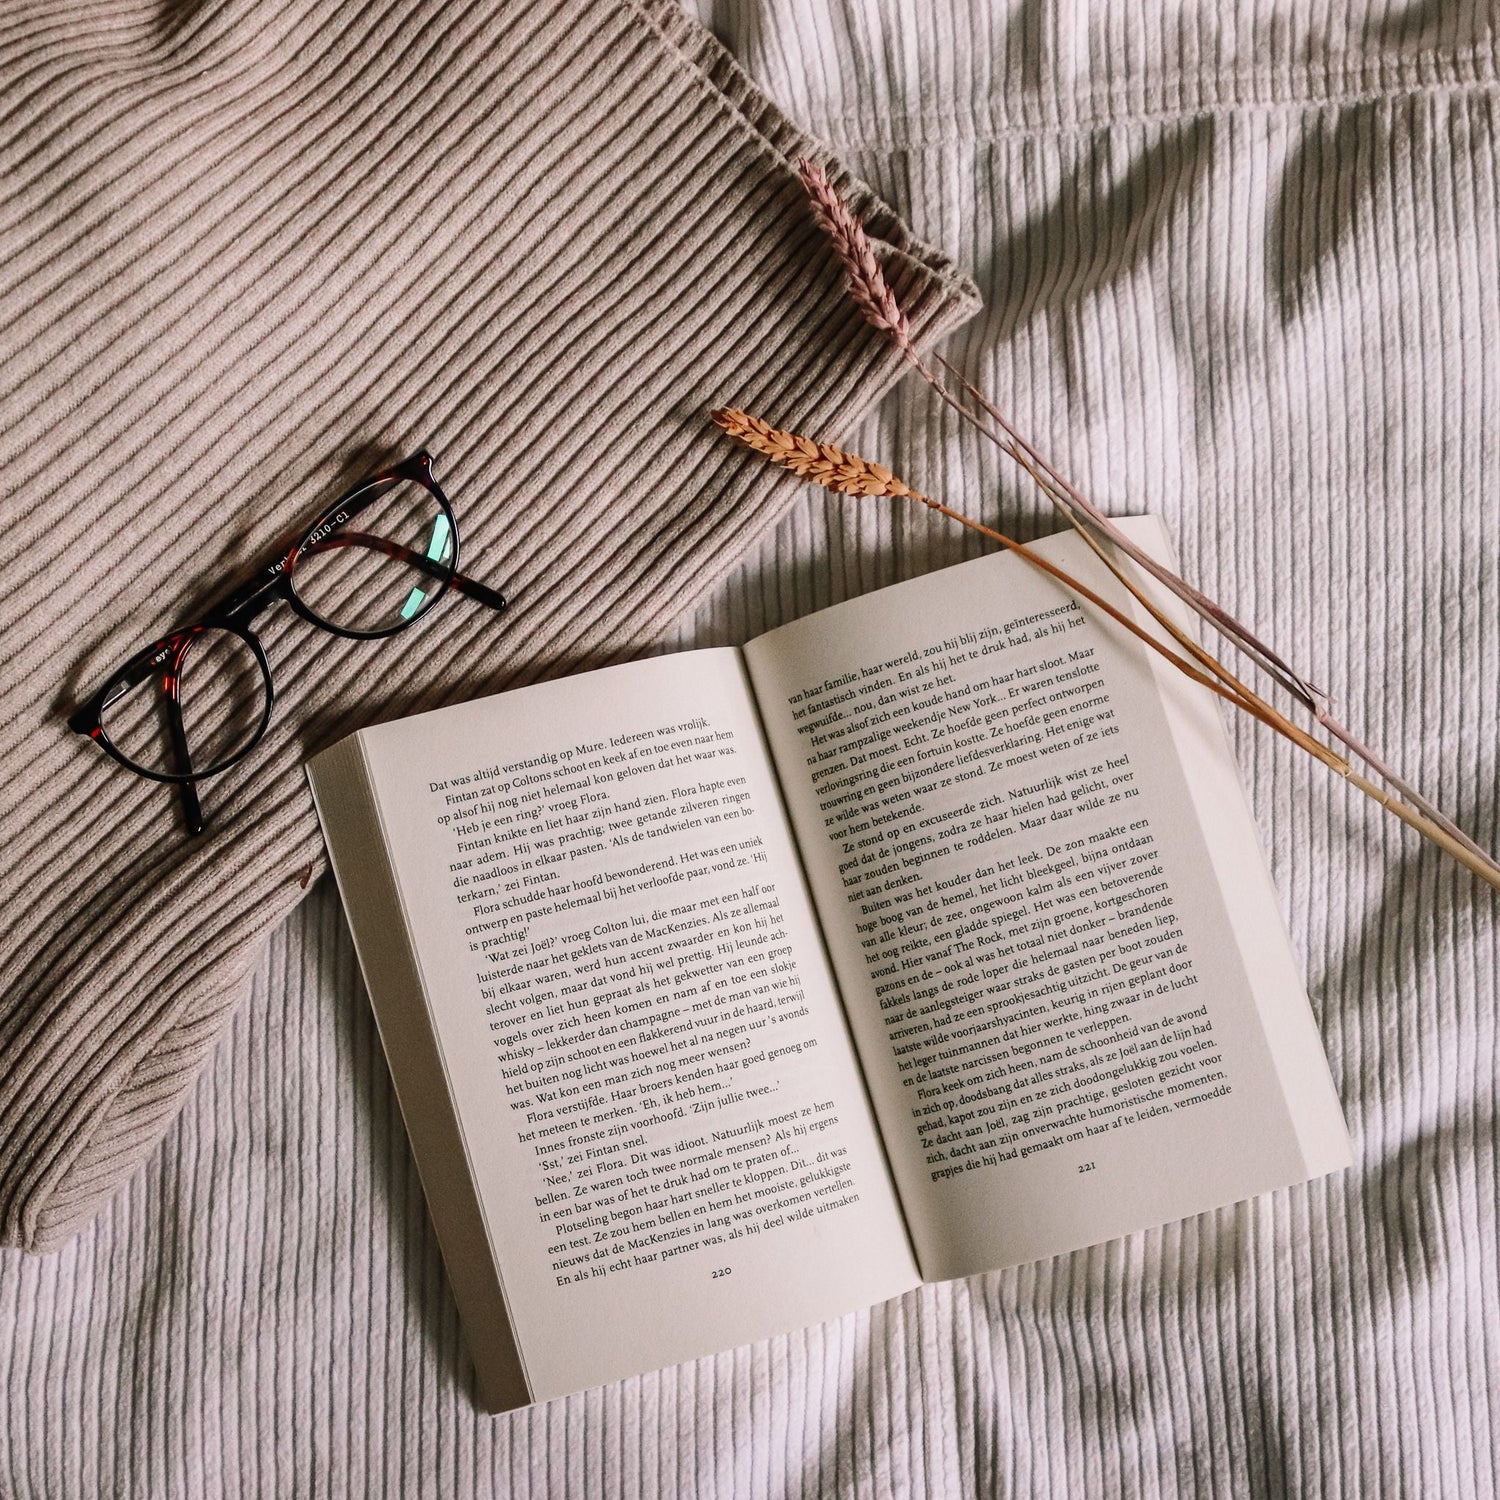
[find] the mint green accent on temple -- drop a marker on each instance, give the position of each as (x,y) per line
(437,549)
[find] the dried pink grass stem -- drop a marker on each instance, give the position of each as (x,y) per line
(872,294)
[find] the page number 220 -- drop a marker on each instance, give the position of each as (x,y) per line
(722,1271)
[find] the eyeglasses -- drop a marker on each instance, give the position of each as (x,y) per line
(197,701)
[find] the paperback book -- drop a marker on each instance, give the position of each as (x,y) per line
(729,991)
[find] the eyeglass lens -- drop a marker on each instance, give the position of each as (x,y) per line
(380,568)
(194,710)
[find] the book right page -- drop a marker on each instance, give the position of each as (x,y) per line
(1062,957)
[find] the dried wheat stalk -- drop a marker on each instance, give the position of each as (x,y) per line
(871,293)
(849,474)
(867,284)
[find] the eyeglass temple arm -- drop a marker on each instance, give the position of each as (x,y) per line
(192,810)
(461,581)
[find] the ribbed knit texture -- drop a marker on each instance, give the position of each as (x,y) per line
(1238,271)
(244,250)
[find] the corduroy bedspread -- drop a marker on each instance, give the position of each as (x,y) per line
(1239,267)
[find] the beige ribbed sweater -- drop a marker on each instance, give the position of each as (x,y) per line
(246,249)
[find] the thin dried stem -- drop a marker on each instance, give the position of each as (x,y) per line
(1074,505)
(1065,496)
(849,474)
(872,295)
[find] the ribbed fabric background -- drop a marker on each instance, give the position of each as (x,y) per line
(247,251)
(1240,269)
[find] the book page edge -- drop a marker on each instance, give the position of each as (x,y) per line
(347,811)
(1298,1051)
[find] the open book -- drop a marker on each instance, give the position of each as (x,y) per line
(731,991)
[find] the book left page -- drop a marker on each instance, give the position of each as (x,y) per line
(669,1137)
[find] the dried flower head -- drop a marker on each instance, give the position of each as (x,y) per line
(822,463)
(866,282)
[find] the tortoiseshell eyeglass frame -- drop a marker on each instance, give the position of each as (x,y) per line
(236,611)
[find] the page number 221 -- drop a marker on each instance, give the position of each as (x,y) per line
(1087,1166)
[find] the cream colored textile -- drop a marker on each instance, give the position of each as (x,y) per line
(248,250)
(1240,266)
